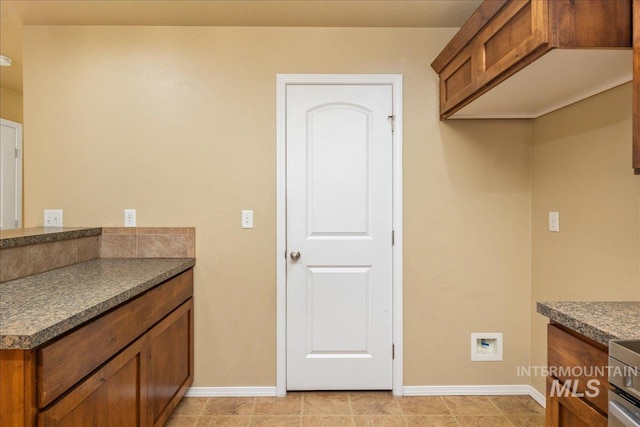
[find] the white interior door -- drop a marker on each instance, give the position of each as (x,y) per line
(339,219)
(10,174)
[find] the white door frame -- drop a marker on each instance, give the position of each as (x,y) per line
(395,80)
(18,200)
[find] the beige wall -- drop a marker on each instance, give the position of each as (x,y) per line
(582,168)
(179,123)
(10,105)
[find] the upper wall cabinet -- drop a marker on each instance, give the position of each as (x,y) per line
(525,58)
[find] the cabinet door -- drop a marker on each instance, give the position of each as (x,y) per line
(111,396)
(516,35)
(571,354)
(566,410)
(170,362)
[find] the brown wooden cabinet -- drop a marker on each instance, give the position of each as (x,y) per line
(504,36)
(577,386)
(526,58)
(129,367)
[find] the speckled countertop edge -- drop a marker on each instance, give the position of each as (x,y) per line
(34,236)
(600,321)
(36,309)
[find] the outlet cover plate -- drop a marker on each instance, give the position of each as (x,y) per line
(53,217)
(129,217)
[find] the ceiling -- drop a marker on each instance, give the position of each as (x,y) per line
(282,13)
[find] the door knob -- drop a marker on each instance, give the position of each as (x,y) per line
(295,255)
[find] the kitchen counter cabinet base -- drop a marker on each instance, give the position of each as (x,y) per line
(139,382)
(94,343)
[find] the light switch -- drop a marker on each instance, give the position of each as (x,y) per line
(554,222)
(247,219)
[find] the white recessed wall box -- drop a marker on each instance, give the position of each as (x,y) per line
(5,61)
(486,347)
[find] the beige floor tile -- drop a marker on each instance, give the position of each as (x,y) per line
(527,420)
(191,406)
(229,406)
(483,421)
(423,405)
(517,405)
(182,421)
(379,421)
(326,403)
(327,421)
(374,403)
(223,420)
(289,405)
(430,421)
(470,405)
(274,420)
(335,409)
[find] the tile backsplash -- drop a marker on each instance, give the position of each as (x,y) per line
(37,258)
(114,242)
(148,242)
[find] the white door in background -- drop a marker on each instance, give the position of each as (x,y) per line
(10,174)
(339,219)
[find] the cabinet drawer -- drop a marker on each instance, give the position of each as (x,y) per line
(63,363)
(583,363)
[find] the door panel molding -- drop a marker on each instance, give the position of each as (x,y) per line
(283,80)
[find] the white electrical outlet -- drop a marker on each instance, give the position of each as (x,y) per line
(247,219)
(129,217)
(53,217)
(554,222)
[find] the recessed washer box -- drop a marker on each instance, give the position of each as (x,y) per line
(486,346)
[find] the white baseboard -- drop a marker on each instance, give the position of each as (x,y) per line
(538,397)
(230,392)
(474,390)
(436,390)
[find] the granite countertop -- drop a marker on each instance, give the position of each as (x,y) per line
(36,309)
(601,321)
(31,236)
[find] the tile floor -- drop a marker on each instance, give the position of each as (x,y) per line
(337,409)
